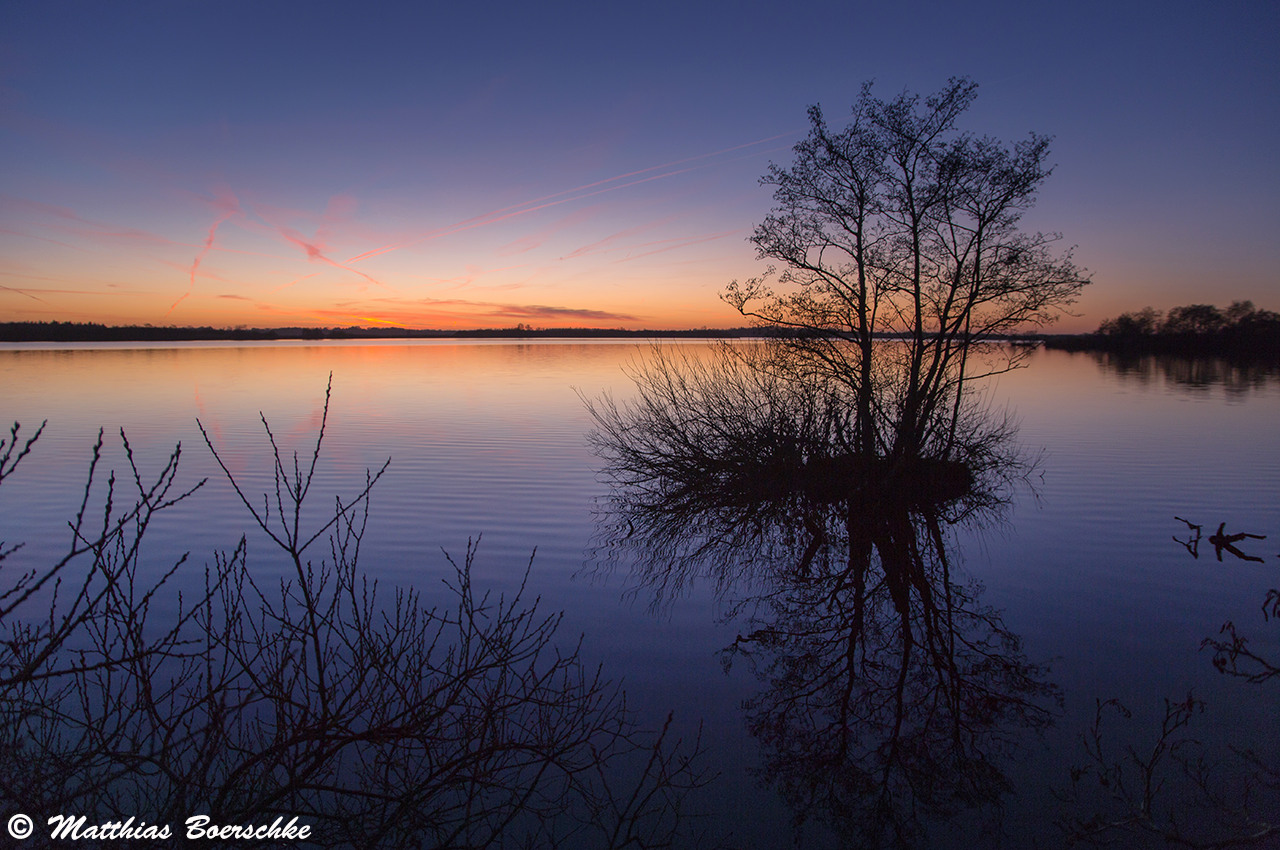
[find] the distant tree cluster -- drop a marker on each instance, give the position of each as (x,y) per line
(1241,330)
(95,332)
(1193,320)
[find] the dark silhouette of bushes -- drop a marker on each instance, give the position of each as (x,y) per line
(94,332)
(1241,332)
(375,720)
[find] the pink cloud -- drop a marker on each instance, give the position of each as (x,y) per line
(478,310)
(537,311)
(317,248)
(226,205)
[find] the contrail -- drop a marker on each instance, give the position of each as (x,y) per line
(21,292)
(675,244)
(315,253)
(556,198)
(295,280)
(228,211)
(314,248)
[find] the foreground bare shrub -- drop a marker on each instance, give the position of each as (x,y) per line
(371,718)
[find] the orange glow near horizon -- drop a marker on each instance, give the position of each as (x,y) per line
(642,259)
(595,168)
(664,296)
(267,264)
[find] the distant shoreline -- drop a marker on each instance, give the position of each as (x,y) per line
(1255,350)
(1260,349)
(93,332)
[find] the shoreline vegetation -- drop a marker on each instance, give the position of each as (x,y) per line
(1241,332)
(1255,338)
(94,332)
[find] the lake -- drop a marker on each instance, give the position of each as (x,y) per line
(487,440)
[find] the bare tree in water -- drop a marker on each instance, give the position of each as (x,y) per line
(902,226)
(891,698)
(378,721)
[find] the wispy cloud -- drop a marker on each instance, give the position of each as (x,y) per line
(316,249)
(21,292)
(82,226)
(538,311)
(226,205)
(577,193)
(662,245)
(535,240)
(57,242)
(610,241)
(294,281)
(427,311)
(28,276)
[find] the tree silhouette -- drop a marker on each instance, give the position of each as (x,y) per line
(891,695)
(901,225)
(377,721)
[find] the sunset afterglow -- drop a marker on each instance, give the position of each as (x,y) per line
(287,165)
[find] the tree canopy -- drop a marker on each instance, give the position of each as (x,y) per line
(1241,331)
(901,224)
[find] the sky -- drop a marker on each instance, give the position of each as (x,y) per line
(593,164)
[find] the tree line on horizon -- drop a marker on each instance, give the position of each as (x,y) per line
(97,332)
(1242,330)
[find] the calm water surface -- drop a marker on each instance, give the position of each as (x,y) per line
(487,439)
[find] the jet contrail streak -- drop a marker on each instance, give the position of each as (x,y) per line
(576,193)
(21,292)
(228,210)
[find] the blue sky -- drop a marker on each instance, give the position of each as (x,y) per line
(276,163)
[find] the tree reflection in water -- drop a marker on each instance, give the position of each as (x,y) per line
(892,695)
(1236,378)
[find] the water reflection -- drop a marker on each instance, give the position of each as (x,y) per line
(313,709)
(1160,783)
(1220,540)
(891,692)
(891,695)
(1190,373)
